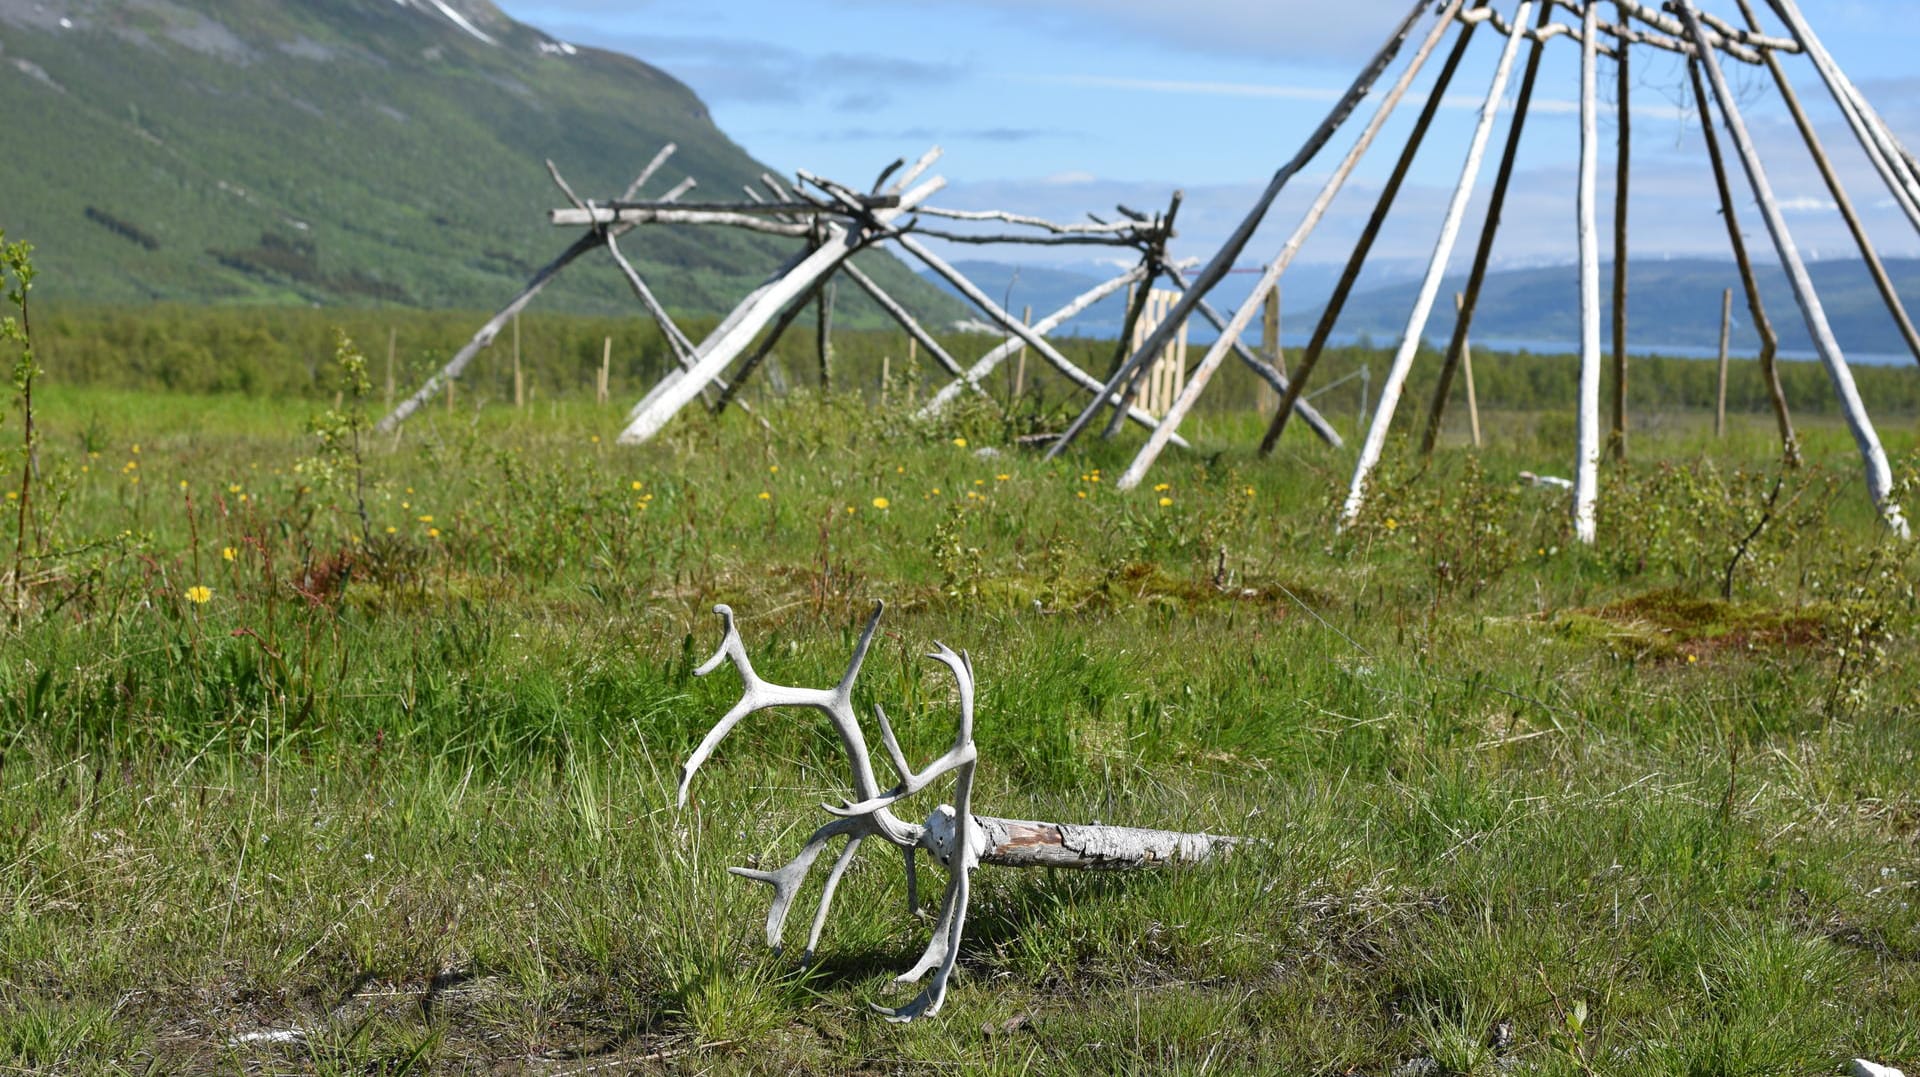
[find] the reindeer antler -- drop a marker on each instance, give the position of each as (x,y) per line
(950,834)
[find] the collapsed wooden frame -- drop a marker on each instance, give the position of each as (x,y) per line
(836,222)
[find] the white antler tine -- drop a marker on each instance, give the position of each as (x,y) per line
(730,645)
(712,740)
(895,756)
(845,687)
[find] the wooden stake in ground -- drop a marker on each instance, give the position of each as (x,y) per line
(953,835)
(823,334)
(393,337)
(519,378)
(606,366)
(1266,397)
(1466,370)
(1879,474)
(1020,362)
(1720,393)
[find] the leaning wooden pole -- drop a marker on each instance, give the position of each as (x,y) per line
(900,314)
(737,332)
(1756,310)
(1264,370)
(1868,254)
(1223,259)
(445,375)
(1622,161)
(1884,162)
(1357,259)
(1483,254)
(1269,281)
(1396,379)
(1012,324)
(976,375)
(1879,473)
(1586,476)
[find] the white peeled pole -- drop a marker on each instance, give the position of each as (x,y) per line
(977,373)
(1216,269)
(1846,99)
(733,335)
(1883,137)
(1586,475)
(1430,287)
(1014,326)
(900,315)
(1261,368)
(1230,335)
(1873,456)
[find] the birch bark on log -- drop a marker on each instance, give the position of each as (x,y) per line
(1879,474)
(1023,843)
(1586,477)
(1357,258)
(1483,253)
(1223,259)
(1756,310)
(734,334)
(1250,308)
(1396,378)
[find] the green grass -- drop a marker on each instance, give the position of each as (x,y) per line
(411,790)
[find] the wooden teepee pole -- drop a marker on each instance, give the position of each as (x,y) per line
(1483,254)
(1586,477)
(1270,279)
(1224,258)
(1756,310)
(1623,115)
(1357,259)
(1875,267)
(1396,379)
(1879,473)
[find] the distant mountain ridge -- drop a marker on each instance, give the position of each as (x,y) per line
(347,151)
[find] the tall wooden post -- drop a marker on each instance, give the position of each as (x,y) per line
(823,335)
(1719,396)
(393,336)
(600,394)
(886,374)
(519,377)
(1466,369)
(1586,475)
(1020,362)
(1268,398)
(913,371)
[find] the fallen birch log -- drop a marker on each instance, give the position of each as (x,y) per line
(952,835)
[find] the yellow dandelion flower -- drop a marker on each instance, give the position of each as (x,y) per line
(426,519)
(773,469)
(595,439)
(228,553)
(1692,658)
(391,530)
(1392,524)
(13,495)
(881,503)
(84,469)
(136,450)
(936,489)
(764,496)
(1162,487)
(134,479)
(1165,501)
(849,510)
(901,470)
(1081,494)
(1001,478)
(183,484)
(979,482)
(960,442)
(433,532)
(233,488)
(407,504)
(1248,491)
(199,594)
(637,484)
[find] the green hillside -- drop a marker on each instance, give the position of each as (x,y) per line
(357,151)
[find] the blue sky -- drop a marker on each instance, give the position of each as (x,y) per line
(1060,107)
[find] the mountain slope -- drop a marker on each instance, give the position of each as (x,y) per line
(352,150)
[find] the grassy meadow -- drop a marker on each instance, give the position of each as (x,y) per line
(362,760)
